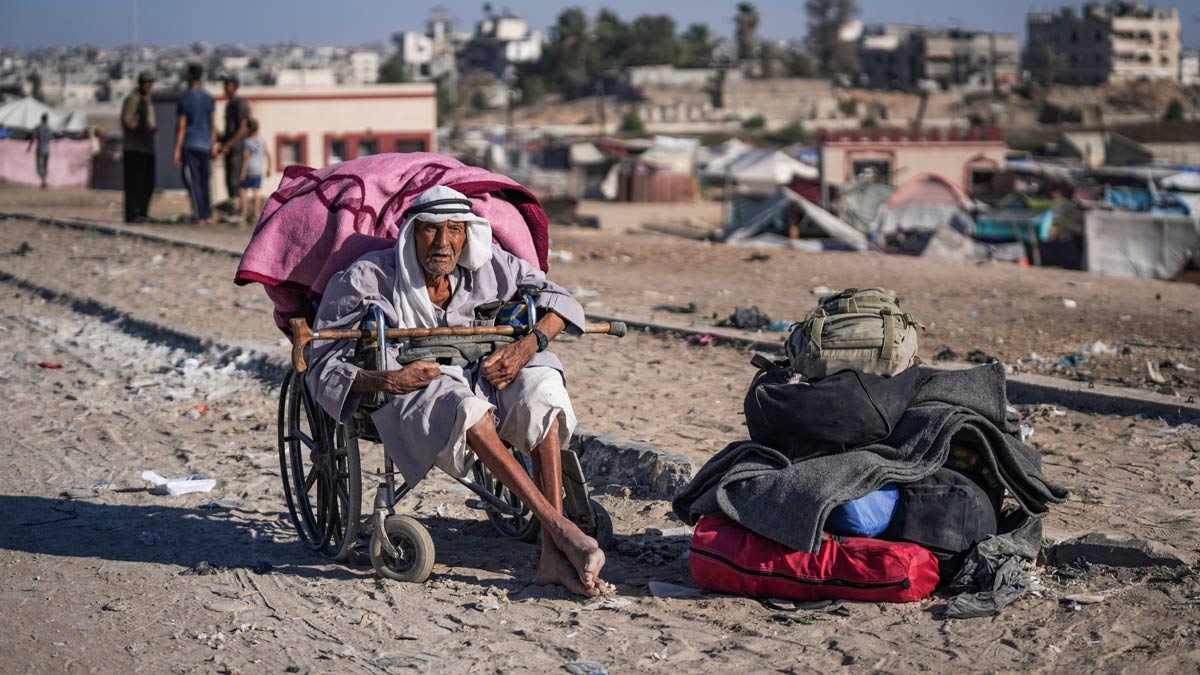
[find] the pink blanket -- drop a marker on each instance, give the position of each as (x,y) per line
(70,163)
(320,221)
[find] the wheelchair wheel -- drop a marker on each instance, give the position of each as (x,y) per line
(319,466)
(603,531)
(521,526)
(414,546)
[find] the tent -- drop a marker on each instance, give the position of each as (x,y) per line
(924,203)
(713,160)
(1140,244)
(773,213)
(861,201)
(1188,181)
(672,154)
(765,170)
(26,113)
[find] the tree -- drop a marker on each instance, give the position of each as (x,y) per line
(568,57)
(825,21)
(632,123)
(696,46)
(1175,111)
(653,41)
(392,71)
(746,23)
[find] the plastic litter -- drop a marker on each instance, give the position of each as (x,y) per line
(821,290)
(1152,372)
(1026,431)
(486,602)
(780,326)
(607,603)
(663,589)
(178,486)
(584,668)
(1086,598)
(49,365)
(1069,303)
(701,340)
(690,308)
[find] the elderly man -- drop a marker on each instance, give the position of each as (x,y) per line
(443,270)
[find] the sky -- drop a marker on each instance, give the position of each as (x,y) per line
(106,23)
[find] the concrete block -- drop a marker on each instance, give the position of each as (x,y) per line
(626,463)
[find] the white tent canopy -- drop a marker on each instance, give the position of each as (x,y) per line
(763,169)
(26,113)
(1188,180)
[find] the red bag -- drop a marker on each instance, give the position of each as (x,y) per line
(727,557)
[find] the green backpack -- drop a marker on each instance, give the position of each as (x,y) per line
(861,330)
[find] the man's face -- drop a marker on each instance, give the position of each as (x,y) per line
(439,246)
(146,86)
(230,89)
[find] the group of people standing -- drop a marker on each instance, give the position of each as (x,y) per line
(196,145)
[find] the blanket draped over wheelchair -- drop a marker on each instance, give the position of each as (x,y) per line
(320,221)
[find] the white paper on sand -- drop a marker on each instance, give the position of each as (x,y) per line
(178,486)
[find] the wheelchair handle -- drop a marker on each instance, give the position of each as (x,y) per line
(302,334)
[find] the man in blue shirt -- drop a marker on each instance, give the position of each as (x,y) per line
(195,134)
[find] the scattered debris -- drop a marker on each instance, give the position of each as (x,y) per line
(780,326)
(226,503)
(1152,372)
(400,661)
(485,603)
(980,356)
(607,603)
(663,589)
(581,292)
(1069,303)
(746,318)
(757,257)
(561,256)
(702,340)
(945,354)
(690,308)
(1072,360)
(49,365)
(201,569)
(584,668)
(196,412)
(821,290)
(1086,598)
(178,486)
(1026,431)
(115,606)
(1099,347)
(22,249)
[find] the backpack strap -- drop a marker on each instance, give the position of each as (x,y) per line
(814,333)
(890,319)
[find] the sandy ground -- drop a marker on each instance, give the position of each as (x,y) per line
(104,582)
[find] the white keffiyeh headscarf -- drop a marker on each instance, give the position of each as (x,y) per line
(435,205)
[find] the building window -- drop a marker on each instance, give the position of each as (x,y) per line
(881,169)
(410,145)
(1164,36)
(290,150)
(337,150)
(368,146)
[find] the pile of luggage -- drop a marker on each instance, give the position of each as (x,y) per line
(864,479)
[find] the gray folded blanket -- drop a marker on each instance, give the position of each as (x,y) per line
(788,502)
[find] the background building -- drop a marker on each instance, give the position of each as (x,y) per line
(904,57)
(1103,43)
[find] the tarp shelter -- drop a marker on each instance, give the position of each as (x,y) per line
(1128,244)
(765,170)
(775,213)
(1188,181)
(924,203)
(861,201)
(672,154)
(70,162)
(26,113)
(714,160)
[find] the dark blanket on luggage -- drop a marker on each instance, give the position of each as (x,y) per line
(788,501)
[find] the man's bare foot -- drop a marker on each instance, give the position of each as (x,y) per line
(580,550)
(554,569)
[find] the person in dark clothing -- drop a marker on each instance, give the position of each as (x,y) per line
(42,135)
(137,149)
(195,135)
(237,118)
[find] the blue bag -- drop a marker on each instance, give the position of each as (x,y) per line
(866,516)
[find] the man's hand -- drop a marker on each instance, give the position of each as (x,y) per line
(501,367)
(414,376)
(177,159)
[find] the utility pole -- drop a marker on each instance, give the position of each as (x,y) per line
(133,35)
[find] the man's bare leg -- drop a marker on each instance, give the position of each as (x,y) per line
(553,565)
(560,537)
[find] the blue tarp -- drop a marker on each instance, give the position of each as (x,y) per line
(1014,224)
(1143,201)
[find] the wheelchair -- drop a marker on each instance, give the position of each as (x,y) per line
(321,469)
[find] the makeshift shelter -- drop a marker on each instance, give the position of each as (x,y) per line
(1188,181)
(780,213)
(713,161)
(924,203)
(26,113)
(1017,217)
(764,170)
(1140,244)
(861,201)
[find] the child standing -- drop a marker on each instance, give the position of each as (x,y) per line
(256,163)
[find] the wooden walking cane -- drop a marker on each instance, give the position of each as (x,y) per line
(302,334)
